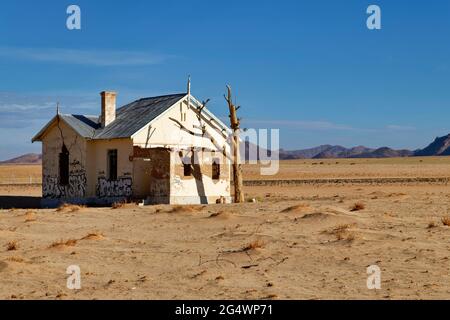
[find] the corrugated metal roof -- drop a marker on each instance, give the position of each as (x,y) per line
(129,118)
(84,125)
(132,117)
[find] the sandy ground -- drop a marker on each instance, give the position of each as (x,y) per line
(423,167)
(299,242)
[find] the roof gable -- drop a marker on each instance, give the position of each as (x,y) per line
(85,126)
(132,117)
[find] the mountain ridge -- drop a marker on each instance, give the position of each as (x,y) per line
(439,147)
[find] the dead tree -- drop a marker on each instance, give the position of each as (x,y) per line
(234,158)
(237,169)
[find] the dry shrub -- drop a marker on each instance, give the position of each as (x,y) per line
(12,245)
(94,236)
(432,225)
(186,208)
(297,208)
(446,221)
(338,229)
(63,243)
(118,205)
(350,237)
(30,216)
(123,205)
(15,259)
(67,207)
(358,206)
(254,245)
(341,232)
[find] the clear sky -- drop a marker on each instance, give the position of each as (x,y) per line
(310,68)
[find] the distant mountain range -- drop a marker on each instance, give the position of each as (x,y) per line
(29,158)
(439,147)
(330,152)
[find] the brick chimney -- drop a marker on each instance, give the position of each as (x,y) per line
(108,107)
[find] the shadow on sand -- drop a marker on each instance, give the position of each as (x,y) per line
(19,202)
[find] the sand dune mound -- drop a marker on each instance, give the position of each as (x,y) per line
(327,217)
(222,214)
(315,216)
(94,236)
(186,209)
(299,208)
(338,211)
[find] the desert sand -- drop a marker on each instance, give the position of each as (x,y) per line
(298,242)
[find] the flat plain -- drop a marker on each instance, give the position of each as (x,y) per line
(311,241)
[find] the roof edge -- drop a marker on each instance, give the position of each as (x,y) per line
(159,116)
(38,136)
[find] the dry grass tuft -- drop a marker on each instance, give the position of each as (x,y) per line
(30,216)
(350,237)
(257,244)
(341,232)
(432,225)
(118,205)
(446,221)
(358,206)
(67,207)
(186,208)
(63,243)
(12,245)
(94,236)
(15,259)
(302,207)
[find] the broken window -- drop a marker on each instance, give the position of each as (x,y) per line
(112,164)
(187,167)
(216,169)
(64,166)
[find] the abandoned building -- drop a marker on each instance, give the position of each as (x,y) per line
(166,149)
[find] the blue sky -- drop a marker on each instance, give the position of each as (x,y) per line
(310,68)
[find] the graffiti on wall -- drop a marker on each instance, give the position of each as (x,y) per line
(75,189)
(122,187)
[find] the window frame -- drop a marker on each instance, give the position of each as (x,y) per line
(63,166)
(215,169)
(187,167)
(112,174)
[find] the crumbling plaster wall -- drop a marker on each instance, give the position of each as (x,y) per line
(164,132)
(201,182)
(102,187)
(152,174)
(52,143)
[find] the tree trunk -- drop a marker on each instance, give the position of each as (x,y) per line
(237,169)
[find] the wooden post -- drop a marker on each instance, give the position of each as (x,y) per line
(237,169)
